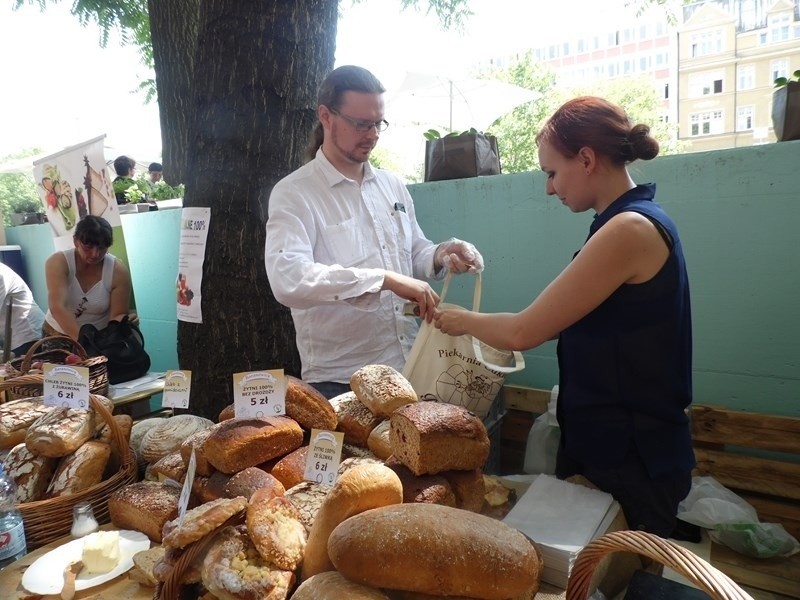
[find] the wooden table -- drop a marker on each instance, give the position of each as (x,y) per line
(120,588)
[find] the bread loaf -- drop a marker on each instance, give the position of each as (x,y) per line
(290,470)
(61,431)
(432,489)
(15,418)
(138,431)
(167,437)
(355,420)
(30,472)
(210,488)
(170,466)
(234,570)
(163,567)
(80,470)
(307,497)
(195,442)
(358,489)
(144,506)
(308,406)
(248,481)
(468,488)
(382,389)
(124,423)
(431,437)
(332,586)
(450,552)
(236,444)
(378,441)
(143,562)
(229,412)
(200,521)
(275,529)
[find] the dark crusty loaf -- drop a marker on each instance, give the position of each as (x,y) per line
(355,420)
(431,437)
(432,489)
(30,472)
(144,506)
(450,552)
(170,466)
(308,406)
(290,470)
(382,389)
(248,481)
(468,488)
(195,442)
(236,444)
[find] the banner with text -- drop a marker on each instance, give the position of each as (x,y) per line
(194,233)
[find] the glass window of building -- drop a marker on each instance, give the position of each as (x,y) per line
(745,77)
(744,118)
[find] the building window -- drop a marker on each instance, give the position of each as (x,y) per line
(744,118)
(613,69)
(707,123)
(705,84)
(666,91)
(706,42)
(779,27)
(565,49)
(746,77)
(581,45)
(779,68)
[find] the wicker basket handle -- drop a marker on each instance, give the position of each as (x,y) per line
(26,362)
(676,557)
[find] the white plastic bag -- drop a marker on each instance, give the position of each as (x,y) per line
(733,522)
(543,440)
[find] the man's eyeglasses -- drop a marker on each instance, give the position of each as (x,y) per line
(362,126)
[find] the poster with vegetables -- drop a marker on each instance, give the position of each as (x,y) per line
(74,183)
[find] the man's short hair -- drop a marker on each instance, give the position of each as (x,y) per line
(155,167)
(123,165)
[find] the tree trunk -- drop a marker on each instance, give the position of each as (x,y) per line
(173,30)
(255,106)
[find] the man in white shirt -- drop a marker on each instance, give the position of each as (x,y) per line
(344,250)
(26,316)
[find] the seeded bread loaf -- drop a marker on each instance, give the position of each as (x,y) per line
(431,437)
(450,552)
(236,444)
(30,472)
(307,497)
(80,470)
(382,389)
(144,506)
(355,420)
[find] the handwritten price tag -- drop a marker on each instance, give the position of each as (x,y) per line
(177,386)
(324,454)
(66,386)
(259,394)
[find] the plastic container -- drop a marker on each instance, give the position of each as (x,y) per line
(12,529)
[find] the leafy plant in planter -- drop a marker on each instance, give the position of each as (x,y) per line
(470,153)
(786,108)
(26,210)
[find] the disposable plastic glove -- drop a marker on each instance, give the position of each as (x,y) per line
(459,256)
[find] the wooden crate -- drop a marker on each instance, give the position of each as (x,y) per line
(523,405)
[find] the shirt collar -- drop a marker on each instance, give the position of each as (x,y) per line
(332,175)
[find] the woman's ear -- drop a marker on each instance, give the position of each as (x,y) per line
(588,158)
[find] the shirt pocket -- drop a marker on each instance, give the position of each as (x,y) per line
(403,232)
(345,244)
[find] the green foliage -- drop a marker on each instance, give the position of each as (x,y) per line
(434,134)
(784,81)
(452,14)
(164,191)
(18,192)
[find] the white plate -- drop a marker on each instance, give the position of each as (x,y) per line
(46,575)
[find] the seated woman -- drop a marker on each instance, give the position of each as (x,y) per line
(85,284)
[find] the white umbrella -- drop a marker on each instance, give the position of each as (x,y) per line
(453,104)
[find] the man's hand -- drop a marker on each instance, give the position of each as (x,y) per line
(414,290)
(458,256)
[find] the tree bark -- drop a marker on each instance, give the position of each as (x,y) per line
(254,108)
(173,30)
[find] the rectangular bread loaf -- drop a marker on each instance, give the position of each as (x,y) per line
(431,437)
(236,444)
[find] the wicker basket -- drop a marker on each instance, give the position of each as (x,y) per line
(171,588)
(22,384)
(51,519)
(718,585)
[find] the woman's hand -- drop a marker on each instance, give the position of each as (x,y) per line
(451,321)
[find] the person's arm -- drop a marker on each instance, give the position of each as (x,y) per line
(57,276)
(120,292)
(628,249)
(414,290)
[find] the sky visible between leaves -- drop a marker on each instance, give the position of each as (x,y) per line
(60,88)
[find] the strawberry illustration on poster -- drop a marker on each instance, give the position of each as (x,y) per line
(194,234)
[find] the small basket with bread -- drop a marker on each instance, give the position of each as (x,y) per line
(59,457)
(24,376)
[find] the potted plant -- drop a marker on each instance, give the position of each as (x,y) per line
(786,108)
(26,210)
(457,155)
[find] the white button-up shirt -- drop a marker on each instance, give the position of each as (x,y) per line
(329,242)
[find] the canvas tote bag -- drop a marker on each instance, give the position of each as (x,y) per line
(459,369)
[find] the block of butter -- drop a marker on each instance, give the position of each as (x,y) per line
(101,552)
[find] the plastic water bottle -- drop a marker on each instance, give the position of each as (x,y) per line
(12,532)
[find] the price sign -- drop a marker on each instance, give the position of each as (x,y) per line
(324,454)
(66,386)
(177,385)
(183,499)
(259,394)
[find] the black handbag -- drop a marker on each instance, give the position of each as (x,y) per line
(122,343)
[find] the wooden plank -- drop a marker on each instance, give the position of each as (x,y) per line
(531,400)
(770,510)
(755,474)
(777,575)
(750,430)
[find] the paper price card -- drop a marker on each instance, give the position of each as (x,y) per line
(66,386)
(183,499)
(259,394)
(177,385)
(324,454)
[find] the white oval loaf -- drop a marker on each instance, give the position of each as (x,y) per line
(435,550)
(382,389)
(167,437)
